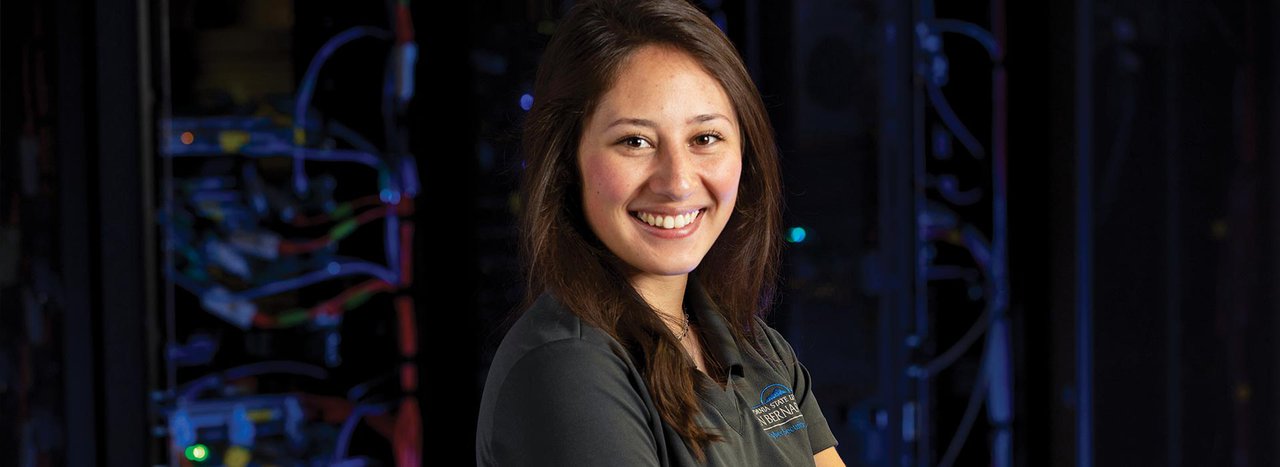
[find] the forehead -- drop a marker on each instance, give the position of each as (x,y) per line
(658,82)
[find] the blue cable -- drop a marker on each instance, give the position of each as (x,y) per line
(349,428)
(275,366)
(994,380)
(328,155)
(358,391)
(307,89)
(948,188)
(388,97)
(351,136)
(181,280)
(969,30)
(392,241)
(218,196)
(952,121)
(1000,388)
(409,171)
(334,270)
(976,396)
(978,249)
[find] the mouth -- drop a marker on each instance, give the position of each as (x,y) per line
(668,225)
(668,221)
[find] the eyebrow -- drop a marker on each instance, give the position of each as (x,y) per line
(650,124)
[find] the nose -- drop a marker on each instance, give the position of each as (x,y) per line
(675,175)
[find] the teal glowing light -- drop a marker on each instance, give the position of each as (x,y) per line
(796,234)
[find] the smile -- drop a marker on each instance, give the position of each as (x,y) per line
(668,222)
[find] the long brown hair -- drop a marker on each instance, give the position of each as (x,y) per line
(563,255)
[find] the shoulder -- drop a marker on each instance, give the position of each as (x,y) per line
(772,343)
(549,346)
(548,334)
(553,374)
(562,377)
(547,321)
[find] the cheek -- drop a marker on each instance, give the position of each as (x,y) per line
(603,187)
(726,181)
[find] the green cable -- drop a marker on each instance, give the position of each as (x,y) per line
(341,230)
(357,300)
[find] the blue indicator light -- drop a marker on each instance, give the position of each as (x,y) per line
(389,196)
(526,102)
(796,234)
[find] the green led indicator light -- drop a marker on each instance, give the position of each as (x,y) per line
(197,453)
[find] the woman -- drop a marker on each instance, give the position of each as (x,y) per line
(651,234)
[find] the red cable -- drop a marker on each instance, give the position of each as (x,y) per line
(321,219)
(264,321)
(408,343)
(408,434)
(406,254)
(407,442)
(404,24)
(335,410)
(333,306)
(290,247)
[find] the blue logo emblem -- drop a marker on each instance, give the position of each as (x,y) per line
(772,392)
(779,412)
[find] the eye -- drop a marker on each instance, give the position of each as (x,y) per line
(635,142)
(707,139)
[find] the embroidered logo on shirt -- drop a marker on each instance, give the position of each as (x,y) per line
(778,413)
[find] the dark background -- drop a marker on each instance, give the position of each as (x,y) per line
(1115,222)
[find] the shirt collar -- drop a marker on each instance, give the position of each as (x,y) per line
(718,337)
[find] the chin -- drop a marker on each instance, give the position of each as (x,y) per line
(667,269)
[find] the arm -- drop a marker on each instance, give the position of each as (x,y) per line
(572,403)
(828,458)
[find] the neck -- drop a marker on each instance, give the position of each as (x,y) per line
(664,293)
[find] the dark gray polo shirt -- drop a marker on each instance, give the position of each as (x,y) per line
(563,393)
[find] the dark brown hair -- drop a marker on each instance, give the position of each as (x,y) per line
(563,255)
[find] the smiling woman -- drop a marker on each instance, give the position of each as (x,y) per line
(651,237)
(660,165)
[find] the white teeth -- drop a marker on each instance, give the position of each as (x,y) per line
(668,222)
(681,220)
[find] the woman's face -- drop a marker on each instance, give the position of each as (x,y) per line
(660,157)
